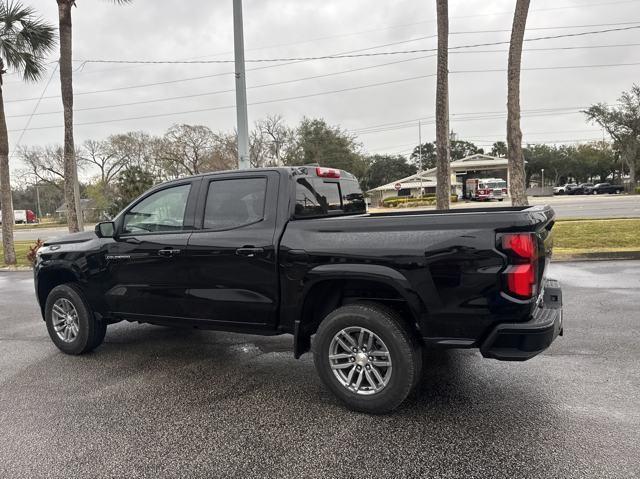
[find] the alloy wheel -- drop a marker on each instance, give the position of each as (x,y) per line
(360,360)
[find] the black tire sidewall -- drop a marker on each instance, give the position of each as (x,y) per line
(401,349)
(86,322)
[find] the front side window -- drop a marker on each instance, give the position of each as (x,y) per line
(234,203)
(162,211)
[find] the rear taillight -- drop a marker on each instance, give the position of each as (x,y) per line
(327,172)
(521,277)
(504,191)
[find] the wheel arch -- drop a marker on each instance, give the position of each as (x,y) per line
(331,286)
(49,278)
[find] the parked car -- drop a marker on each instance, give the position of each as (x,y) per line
(564,189)
(581,189)
(22,216)
(602,188)
(293,250)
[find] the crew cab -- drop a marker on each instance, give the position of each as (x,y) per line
(293,251)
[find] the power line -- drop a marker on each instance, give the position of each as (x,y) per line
(129,87)
(341,90)
(355,55)
(33,113)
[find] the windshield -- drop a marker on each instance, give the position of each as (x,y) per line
(496,184)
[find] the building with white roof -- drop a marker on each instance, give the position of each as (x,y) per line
(474,166)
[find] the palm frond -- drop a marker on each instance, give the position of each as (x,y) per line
(25,39)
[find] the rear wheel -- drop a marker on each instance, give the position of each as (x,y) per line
(368,357)
(71,324)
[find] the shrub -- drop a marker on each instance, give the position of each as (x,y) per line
(638,190)
(426,200)
(33,251)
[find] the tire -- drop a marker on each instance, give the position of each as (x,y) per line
(594,192)
(89,331)
(393,335)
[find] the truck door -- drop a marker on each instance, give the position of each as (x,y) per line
(147,262)
(232,252)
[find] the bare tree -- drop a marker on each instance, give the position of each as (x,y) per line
(193,149)
(46,164)
(277,139)
(517,174)
(443,175)
(102,155)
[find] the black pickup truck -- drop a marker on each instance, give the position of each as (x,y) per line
(293,250)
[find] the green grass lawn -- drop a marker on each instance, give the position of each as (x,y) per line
(592,236)
(22,248)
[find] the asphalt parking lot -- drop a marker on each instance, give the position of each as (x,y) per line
(158,402)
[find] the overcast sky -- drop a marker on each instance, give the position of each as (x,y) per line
(202,29)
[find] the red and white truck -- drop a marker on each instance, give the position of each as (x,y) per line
(481,189)
(22,216)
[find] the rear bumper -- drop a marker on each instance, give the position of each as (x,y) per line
(522,341)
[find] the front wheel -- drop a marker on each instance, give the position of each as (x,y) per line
(71,324)
(368,357)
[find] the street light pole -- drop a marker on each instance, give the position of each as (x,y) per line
(241,88)
(542,180)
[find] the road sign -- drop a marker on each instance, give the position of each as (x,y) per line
(398,186)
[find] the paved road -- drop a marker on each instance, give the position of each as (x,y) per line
(608,206)
(157,402)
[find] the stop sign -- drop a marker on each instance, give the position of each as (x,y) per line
(398,186)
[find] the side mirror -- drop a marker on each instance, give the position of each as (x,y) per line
(106,229)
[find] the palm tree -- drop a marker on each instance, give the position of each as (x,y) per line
(443,176)
(71,187)
(514,134)
(25,41)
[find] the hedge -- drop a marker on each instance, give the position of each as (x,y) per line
(426,200)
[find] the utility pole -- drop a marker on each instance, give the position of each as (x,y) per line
(38,200)
(241,88)
(420,153)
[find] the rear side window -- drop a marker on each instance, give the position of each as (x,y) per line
(317,196)
(352,197)
(234,203)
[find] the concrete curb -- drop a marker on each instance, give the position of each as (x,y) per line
(596,256)
(4,269)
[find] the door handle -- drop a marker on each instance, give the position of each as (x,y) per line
(249,251)
(168,252)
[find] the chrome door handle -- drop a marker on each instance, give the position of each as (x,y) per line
(168,252)
(249,251)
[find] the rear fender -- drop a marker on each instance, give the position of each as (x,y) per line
(339,272)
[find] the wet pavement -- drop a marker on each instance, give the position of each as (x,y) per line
(160,402)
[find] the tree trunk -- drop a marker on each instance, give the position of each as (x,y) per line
(443,176)
(5,188)
(514,134)
(71,187)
